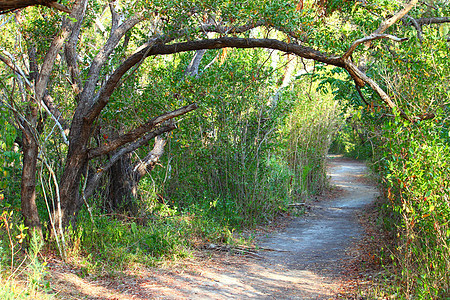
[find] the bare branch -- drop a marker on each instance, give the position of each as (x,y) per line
(435,20)
(417,26)
(71,55)
(358,89)
(55,47)
(9,61)
(11,64)
(373,36)
(386,99)
(192,69)
(139,131)
(114,17)
(389,22)
(149,162)
(63,134)
(104,53)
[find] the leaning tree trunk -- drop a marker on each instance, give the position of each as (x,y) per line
(11,5)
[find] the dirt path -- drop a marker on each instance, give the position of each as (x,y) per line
(306,264)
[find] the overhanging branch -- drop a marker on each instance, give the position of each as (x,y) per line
(391,21)
(436,20)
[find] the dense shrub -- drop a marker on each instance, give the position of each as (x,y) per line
(414,165)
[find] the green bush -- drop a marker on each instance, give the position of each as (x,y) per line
(415,166)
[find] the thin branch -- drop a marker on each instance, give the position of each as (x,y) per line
(417,26)
(114,17)
(369,38)
(231,29)
(387,100)
(358,89)
(103,55)
(56,45)
(61,129)
(11,64)
(58,202)
(435,20)
(83,195)
(71,55)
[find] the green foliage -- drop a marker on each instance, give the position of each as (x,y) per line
(242,156)
(114,244)
(10,167)
(415,168)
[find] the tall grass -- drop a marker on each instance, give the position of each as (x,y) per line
(308,133)
(23,275)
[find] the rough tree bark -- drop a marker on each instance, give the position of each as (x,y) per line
(91,103)
(30,149)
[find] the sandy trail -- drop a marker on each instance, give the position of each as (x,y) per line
(306,264)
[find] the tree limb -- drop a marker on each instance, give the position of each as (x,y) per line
(373,36)
(139,131)
(358,89)
(46,100)
(101,57)
(10,5)
(435,20)
(55,47)
(417,26)
(152,49)
(71,55)
(148,163)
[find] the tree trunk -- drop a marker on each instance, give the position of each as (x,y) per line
(28,183)
(124,178)
(70,200)
(122,183)
(10,5)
